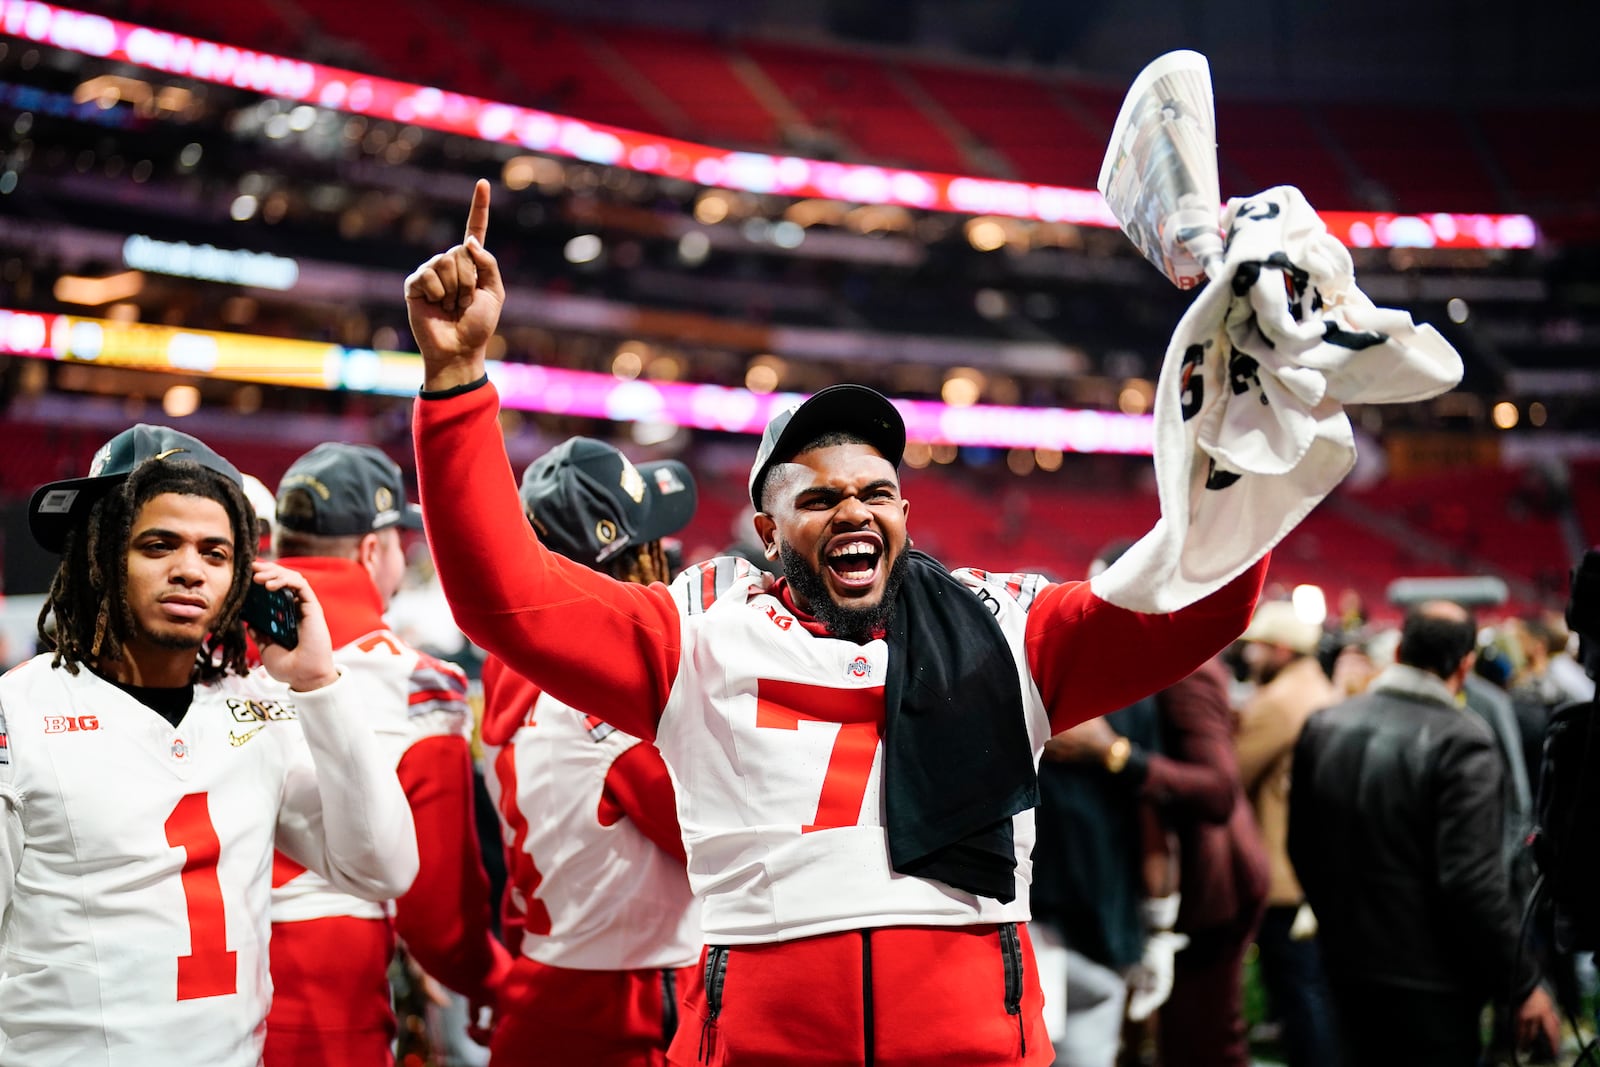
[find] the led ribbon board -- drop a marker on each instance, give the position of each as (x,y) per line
(570,138)
(530,387)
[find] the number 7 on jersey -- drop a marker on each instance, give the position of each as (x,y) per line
(784,705)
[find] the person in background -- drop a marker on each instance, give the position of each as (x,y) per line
(1394,829)
(340,512)
(1280,653)
(1223,870)
(265,504)
(599,906)
(1089,877)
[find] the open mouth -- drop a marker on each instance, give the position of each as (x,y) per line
(853,561)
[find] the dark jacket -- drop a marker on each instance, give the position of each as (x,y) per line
(1087,878)
(1394,830)
(1222,861)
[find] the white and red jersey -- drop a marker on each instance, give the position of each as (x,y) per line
(771,731)
(761,695)
(593,891)
(416,707)
(405,696)
(135,911)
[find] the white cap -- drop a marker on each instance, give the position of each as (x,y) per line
(1276,623)
(266,504)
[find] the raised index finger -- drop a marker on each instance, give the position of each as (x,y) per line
(478,214)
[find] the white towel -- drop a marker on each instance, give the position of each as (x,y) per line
(1250,429)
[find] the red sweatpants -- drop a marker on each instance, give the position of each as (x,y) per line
(555,1017)
(937,999)
(330,1000)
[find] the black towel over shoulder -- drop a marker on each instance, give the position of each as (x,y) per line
(957,762)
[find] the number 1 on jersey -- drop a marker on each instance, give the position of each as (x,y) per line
(859,713)
(210,970)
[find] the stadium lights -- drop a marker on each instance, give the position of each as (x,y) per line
(92,292)
(262,270)
(754,172)
(78,340)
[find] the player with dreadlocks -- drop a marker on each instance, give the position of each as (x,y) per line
(599,906)
(145,778)
(92,618)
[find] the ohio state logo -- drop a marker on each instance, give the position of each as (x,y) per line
(859,667)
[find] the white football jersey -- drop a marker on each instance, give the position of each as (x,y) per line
(135,921)
(404,697)
(602,897)
(773,738)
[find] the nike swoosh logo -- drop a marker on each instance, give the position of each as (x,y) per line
(237,739)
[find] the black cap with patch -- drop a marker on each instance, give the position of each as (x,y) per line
(59,506)
(588,502)
(853,409)
(343,490)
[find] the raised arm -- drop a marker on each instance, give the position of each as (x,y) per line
(342,812)
(606,647)
(1090,657)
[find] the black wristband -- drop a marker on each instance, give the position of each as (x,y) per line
(454,390)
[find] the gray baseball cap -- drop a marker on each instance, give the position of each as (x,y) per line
(588,502)
(854,409)
(343,490)
(59,506)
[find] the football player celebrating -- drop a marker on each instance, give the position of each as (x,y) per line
(853,745)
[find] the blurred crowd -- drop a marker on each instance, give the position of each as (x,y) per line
(1313,848)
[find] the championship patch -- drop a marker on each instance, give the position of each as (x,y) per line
(244,710)
(668,482)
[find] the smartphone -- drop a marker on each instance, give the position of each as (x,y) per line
(274,615)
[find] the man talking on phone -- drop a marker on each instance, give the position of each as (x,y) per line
(146,778)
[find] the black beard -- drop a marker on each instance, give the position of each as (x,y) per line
(846,623)
(171,642)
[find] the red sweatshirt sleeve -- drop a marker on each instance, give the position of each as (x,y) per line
(444,917)
(1090,657)
(1200,775)
(606,647)
(639,788)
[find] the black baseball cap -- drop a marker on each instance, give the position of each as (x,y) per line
(343,490)
(588,502)
(59,506)
(853,409)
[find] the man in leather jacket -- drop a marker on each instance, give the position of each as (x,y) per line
(1394,830)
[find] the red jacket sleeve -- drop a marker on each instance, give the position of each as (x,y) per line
(1090,657)
(639,788)
(1200,775)
(606,647)
(444,917)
